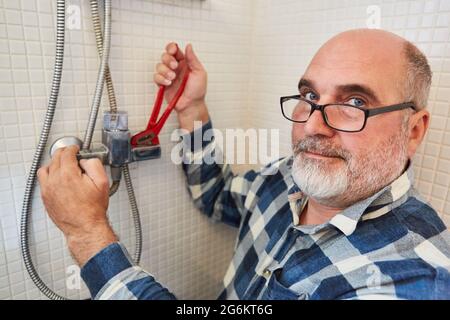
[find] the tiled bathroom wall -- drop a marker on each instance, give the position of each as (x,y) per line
(254,51)
(287,33)
(181,248)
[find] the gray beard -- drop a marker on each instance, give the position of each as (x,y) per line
(316,182)
(350,178)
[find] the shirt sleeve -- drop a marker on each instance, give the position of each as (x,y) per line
(112,275)
(215,190)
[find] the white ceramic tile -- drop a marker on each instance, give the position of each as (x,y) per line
(13,17)
(44,6)
(15,32)
(11,4)
(443,20)
(30,18)
(31,33)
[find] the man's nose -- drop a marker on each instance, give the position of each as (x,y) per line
(317,126)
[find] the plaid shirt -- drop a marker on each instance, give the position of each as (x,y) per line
(391,245)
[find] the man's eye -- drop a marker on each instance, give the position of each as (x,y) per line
(310,96)
(356,102)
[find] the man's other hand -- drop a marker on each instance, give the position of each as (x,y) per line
(169,72)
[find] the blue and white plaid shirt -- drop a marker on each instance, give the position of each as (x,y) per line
(391,245)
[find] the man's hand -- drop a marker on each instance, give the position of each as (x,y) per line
(77,202)
(170,71)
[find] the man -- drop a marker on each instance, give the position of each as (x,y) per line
(338,220)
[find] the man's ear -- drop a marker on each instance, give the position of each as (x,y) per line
(418,126)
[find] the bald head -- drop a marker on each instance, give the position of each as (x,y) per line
(369,69)
(366,44)
(366,36)
(388,57)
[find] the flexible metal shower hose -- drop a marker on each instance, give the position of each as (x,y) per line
(100,78)
(29,188)
(109,85)
(113,108)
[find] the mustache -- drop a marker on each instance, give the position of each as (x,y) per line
(320,146)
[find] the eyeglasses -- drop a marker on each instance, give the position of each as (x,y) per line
(341,117)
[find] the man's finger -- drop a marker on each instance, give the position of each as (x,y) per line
(169,61)
(55,162)
(94,169)
(42,174)
(173,49)
(192,59)
(161,80)
(165,71)
(69,160)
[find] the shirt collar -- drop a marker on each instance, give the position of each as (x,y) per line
(346,221)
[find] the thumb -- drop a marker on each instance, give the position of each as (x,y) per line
(192,60)
(93,168)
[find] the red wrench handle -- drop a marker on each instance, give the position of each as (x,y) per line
(158,126)
(154,126)
(156,108)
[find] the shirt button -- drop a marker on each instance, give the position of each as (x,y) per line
(266,273)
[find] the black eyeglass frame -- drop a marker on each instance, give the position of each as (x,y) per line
(367,112)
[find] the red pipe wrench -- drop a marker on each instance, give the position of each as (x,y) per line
(149,137)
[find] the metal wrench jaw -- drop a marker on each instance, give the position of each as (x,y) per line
(146,153)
